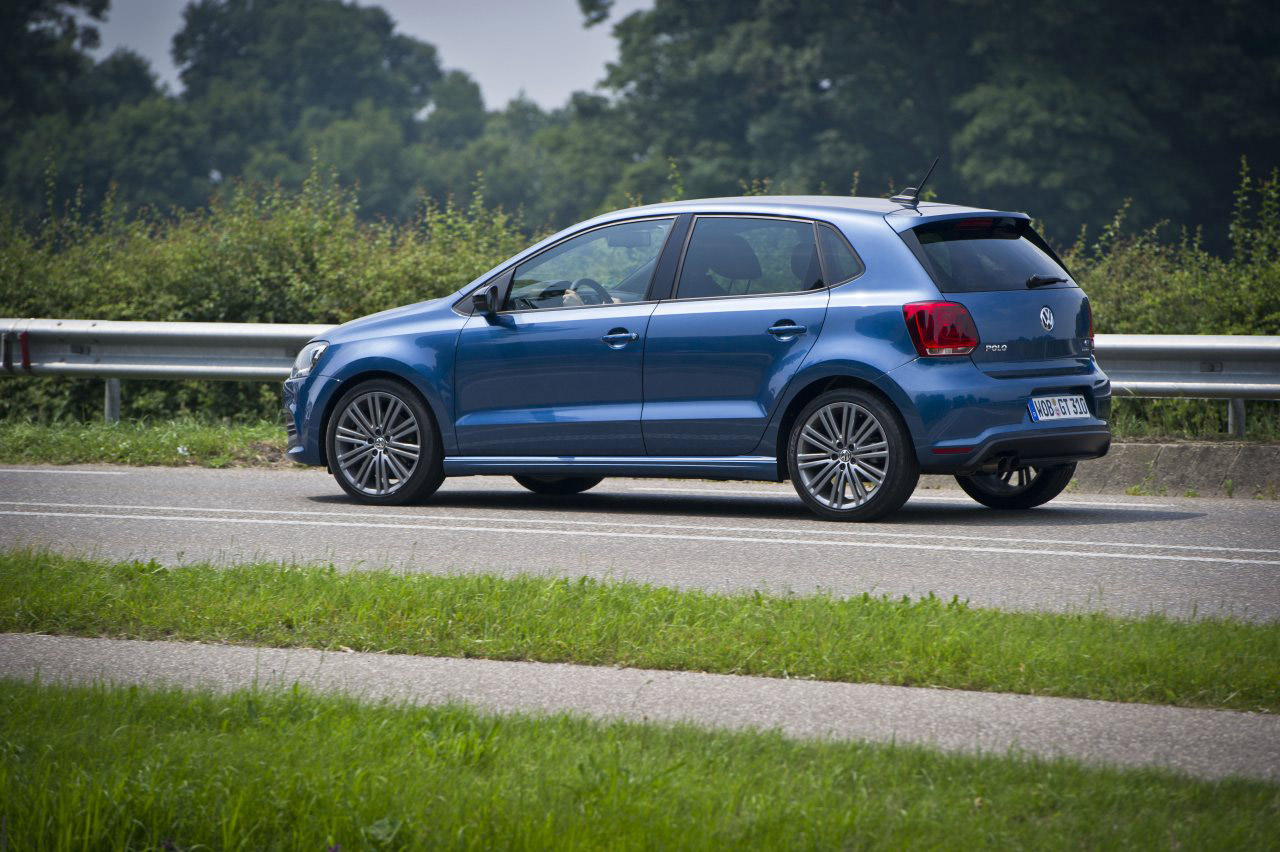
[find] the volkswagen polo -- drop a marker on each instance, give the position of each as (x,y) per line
(845,344)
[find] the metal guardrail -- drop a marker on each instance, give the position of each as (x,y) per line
(1140,365)
(230,351)
(1202,366)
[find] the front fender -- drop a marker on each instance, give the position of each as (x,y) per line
(424,361)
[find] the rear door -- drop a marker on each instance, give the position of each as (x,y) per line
(1032,318)
(749,304)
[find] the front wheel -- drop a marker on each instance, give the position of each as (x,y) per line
(1020,488)
(382,444)
(561,485)
(850,458)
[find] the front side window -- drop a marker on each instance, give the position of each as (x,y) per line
(606,266)
(741,256)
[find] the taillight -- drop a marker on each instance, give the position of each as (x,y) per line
(941,328)
(1088,307)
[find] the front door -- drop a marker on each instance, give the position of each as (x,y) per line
(558,370)
(748,306)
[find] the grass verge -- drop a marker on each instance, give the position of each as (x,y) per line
(173,442)
(98,767)
(194,442)
(927,642)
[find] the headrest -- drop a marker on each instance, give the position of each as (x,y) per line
(727,255)
(804,263)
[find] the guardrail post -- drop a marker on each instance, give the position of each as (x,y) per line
(1235,418)
(111,400)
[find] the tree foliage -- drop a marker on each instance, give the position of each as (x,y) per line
(1062,109)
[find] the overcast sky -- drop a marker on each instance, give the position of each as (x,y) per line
(507,46)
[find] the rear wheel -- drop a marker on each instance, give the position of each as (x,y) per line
(382,444)
(1020,488)
(850,458)
(559,484)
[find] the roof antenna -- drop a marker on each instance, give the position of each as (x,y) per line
(910,196)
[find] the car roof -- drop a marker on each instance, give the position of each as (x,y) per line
(835,208)
(816,206)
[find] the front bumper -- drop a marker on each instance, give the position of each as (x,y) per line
(304,406)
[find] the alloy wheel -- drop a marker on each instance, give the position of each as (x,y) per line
(1010,482)
(378,442)
(842,456)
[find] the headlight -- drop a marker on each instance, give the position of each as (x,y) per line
(307,358)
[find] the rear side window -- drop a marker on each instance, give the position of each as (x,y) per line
(732,256)
(840,261)
(982,254)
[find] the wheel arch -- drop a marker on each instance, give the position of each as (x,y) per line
(811,391)
(355,379)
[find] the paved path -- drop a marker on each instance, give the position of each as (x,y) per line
(1186,557)
(1202,743)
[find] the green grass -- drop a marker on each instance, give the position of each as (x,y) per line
(928,642)
(173,442)
(117,768)
(192,441)
(1190,420)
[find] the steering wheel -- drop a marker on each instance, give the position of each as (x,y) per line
(602,294)
(553,288)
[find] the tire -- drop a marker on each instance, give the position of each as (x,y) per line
(838,481)
(561,485)
(1021,488)
(377,470)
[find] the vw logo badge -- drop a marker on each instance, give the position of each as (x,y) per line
(1046,318)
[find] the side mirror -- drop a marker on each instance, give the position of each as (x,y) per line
(485,300)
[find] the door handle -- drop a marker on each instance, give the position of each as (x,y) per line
(619,337)
(786,328)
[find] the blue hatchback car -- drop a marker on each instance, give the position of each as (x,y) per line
(846,344)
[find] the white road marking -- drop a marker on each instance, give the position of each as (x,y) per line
(709,527)
(55,470)
(723,492)
(779,492)
(494,530)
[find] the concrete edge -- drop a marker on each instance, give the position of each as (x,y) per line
(1208,744)
(1201,469)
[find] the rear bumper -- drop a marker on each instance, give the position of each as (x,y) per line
(1040,448)
(963,420)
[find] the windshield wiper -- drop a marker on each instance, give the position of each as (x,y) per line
(1041,280)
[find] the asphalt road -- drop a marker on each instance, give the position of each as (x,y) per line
(1185,557)
(1203,743)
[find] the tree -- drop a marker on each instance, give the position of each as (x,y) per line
(1063,109)
(42,45)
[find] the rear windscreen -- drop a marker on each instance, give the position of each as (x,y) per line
(974,255)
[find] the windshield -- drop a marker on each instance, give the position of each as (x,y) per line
(981,254)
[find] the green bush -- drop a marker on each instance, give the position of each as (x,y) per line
(1146,283)
(255,255)
(269,255)
(1154,283)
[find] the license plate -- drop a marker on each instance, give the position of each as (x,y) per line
(1057,407)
